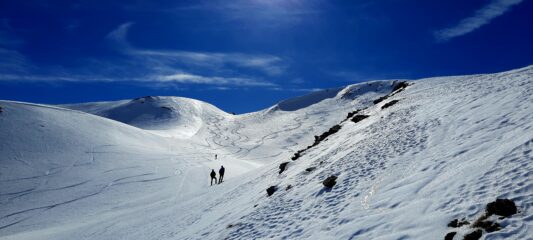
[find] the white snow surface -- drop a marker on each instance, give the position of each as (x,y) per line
(139,169)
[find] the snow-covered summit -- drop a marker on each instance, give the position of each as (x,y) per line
(334,95)
(168,116)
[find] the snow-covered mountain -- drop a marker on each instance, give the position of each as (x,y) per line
(168,116)
(409,157)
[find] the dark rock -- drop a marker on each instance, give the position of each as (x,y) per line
(401,85)
(296,155)
(351,114)
(358,118)
(475,235)
(233,225)
(310,169)
(501,207)
(456,223)
(282,167)
(386,105)
(453,223)
(380,99)
(450,236)
(489,226)
(330,181)
(1,110)
(167,108)
(271,190)
(256,205)
(334,129)
(288,187)
(323,136)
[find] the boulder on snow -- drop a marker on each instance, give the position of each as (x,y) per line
(458,223)
(380,99)
(475,235)
(501,207)
(489,226)
(400,85)
(330,181)
(271,190)
(233,225)
(358,118)
(288,187)
(351,114)
(282,167)
(324,135)
(296,155)
(166,108)
(386,105)
(331,130)
(310,169)
(450,236)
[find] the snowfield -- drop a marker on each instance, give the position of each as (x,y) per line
(437,150)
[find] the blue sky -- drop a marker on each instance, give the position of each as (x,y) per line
(243,56)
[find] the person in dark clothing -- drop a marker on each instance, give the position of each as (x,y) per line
(213,176)
(221,172)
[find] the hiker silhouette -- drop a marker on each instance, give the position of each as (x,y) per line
(221,173)
(213,176)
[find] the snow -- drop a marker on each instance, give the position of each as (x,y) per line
(446,149)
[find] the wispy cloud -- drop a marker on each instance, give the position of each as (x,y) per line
(197,79)
(481,17)
(159,80)
(269,64)
(119,35)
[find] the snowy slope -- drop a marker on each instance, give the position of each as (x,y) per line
(66,164)
(448,146)
(63,169)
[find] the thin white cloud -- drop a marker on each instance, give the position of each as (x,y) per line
(160,80)
(481,17)
(119,35)
(269,64)
(22,77)
(182,77)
